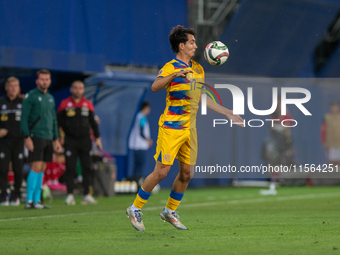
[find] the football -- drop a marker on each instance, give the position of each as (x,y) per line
(216,53)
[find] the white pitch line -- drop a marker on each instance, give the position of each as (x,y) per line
(244,201)
(57,216)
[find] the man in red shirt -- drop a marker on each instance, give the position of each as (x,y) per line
(76,117)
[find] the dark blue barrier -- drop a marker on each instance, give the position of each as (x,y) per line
(274,38)
(84,35)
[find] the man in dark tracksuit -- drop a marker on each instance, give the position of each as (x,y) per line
(76,117)
(39,126)
(11,140)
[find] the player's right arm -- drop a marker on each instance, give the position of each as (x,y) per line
(25,112)
(161,82)
(3,131)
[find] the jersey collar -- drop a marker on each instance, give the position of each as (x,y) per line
(41,91)
(9,100)
(81,100)
(184,62)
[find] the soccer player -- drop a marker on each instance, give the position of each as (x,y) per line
(76,117)
(177,137)
(11,140)
(39,126)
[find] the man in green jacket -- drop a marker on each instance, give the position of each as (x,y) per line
(40,128)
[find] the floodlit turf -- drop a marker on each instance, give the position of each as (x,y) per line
(299,220)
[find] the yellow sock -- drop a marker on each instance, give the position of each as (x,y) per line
(174,200)
(172,204)
(141,198)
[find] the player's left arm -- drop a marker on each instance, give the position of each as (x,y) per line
(95,127)
(224,111)
(56,143)
(55,125)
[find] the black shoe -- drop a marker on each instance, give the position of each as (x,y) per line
(39,205)
(29,205)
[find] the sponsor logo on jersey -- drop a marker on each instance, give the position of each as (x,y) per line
(18,115)
(70,112)
(84,111)
(4,117)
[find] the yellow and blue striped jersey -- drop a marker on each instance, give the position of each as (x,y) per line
(183,95)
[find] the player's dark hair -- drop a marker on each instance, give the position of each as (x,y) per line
(144,104)
(179,34)
(43,71)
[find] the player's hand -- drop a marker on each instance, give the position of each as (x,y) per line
(3,132)
(150,142)
(99,143)
(182,74)
(236,119)
(57,146)
(29,144)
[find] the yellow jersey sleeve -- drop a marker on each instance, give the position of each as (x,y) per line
(166,70)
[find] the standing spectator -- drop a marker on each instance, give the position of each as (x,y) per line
(11,140)
(277,148)
(330,133)
(284,150)
(76,117)
(140,141)
(39,126)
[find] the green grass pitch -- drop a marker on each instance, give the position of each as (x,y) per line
(299,220)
